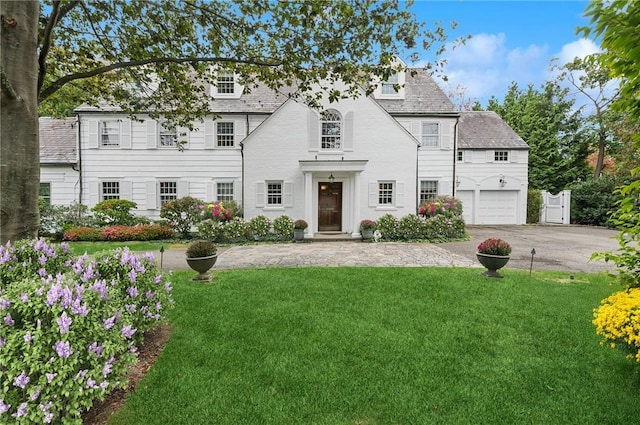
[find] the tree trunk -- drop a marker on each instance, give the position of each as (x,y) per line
(19,150)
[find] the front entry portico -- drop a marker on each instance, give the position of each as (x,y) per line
(332,196)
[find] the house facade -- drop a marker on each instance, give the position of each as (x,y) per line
(352,160)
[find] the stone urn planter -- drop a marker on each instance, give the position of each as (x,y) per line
(201,256)
(299,227)
(367,227)
(493,254)
(492,263)
(202,265)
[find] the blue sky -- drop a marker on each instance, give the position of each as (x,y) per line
(511,41)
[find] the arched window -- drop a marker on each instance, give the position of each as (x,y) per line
(331,129)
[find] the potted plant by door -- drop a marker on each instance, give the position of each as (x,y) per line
(201,256)
(366,229)
(299,226)
(493,254)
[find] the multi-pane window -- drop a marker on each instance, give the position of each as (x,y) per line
(109,132)
(385,193)
(225,82)
(45,192)
(274,193)
(168,137)
(460,156)
(168,192)
(501,156)
(224,134)
(388,87)
(430,137)
(110,190)
(428,190)
(224,192)
(331,129)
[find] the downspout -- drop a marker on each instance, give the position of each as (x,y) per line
(417,194)
(455,155)
(242,159)
(79,170)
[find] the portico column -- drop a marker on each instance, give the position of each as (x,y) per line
(356,205)
(308,204)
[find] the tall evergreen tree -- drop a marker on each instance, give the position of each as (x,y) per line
(547,121)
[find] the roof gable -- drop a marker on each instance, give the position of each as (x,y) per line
(58,141)
(487,130)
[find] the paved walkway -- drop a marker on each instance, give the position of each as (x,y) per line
(331,254)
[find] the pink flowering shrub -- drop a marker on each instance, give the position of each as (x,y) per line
(216,211)
(70,327)
(442,205)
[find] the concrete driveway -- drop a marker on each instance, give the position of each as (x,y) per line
(565,248)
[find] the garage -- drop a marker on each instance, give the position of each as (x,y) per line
(498,207)
(466,196)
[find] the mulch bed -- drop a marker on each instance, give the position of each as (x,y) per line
(154,342)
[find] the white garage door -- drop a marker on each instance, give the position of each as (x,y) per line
(466,196)
(498,207)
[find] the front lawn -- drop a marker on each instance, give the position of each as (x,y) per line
(386,346)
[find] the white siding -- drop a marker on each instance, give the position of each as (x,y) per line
(65,183)
(141,165)
(480,175)
(275,150)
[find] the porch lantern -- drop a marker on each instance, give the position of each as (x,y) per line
(331,178)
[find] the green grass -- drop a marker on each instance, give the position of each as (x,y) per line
(91,248)
(386,346)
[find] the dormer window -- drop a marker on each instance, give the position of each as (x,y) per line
(331,130)
(388,87)
(225,82)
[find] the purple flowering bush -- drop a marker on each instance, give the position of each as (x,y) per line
(69,327)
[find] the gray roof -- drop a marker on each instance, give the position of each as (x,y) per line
(487,130)
(422,96)
(58,141)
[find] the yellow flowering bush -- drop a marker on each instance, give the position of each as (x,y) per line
(618,321)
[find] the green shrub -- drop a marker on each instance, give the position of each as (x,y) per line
(236,230)
(55,219)
(114,212)
(283,227)
(182,214)
(441,228)
(534,204)
(69,338)
(388,225)
(593,201)
(210,229)
(260,226)
(409,228)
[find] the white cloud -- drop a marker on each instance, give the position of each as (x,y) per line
(486,67)
(577,49)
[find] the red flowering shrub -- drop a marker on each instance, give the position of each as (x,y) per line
(141,232)
(137,233)
(83,234)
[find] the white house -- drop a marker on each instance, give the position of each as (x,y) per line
(355,159)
